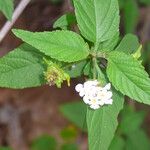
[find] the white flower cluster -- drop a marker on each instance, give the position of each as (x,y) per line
(94,95)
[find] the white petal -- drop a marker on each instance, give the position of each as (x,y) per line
(108,95)
(86,99)
(92,93)
(100,88)
(90,83)
(95,82)
(101,102)
(109,101)
(82,93)
(94,102)
(107,87)
(78,87)
(94,106)
(102,94)
(87,84)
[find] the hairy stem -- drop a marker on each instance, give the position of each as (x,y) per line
(94,67)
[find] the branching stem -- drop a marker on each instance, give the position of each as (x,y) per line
(94,67)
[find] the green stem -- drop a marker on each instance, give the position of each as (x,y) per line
(96,46)
(94,67)
(102,55)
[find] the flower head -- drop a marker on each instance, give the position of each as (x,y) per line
(55,75)
(94,95)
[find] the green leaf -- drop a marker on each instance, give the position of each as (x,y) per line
(117,143)
(121,3)
(88,69)
(76,113)
(110,44)
(98,20)
(64,21)
(129,44)
(137,55)
(138,141)
(131,15)
(44,142)
(145,2)
(128,76)
(7,7)
(131,121)
(102,123)
(21,68)
(77,69)
(64,46)
(69,146)
(69,134)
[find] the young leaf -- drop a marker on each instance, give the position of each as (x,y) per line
(102,123)
(129,44)
(64,21)
(21,68)
(76,113)
(137,55)
(7,7)
(128,76)
(98,20)
(64,46)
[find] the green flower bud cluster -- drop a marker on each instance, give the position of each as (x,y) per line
(55,75)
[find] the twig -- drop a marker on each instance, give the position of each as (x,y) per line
(8,25)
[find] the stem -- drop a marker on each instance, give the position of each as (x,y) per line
(96,46)
(8,25)
(100,54)
(94,67)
